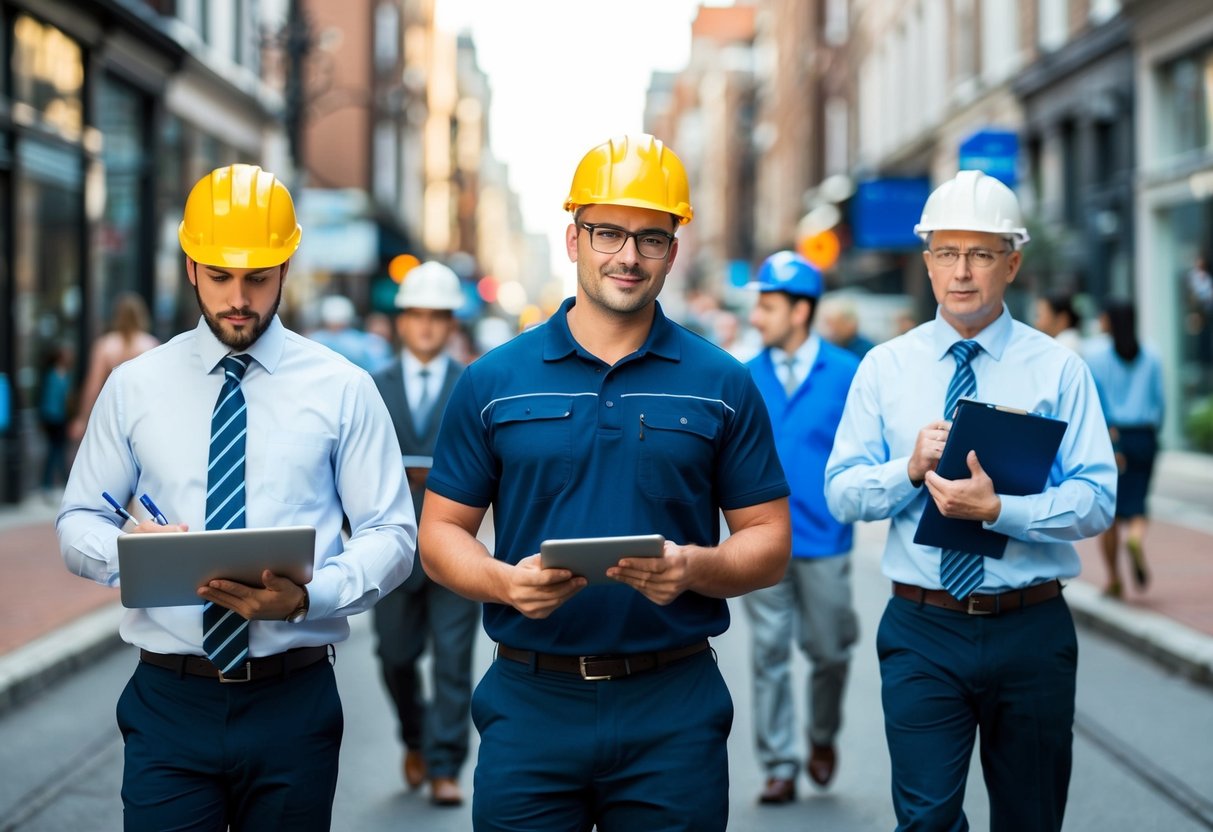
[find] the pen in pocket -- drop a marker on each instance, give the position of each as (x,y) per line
(118,509)
(157,515)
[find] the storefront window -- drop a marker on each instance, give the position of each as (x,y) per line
(1191,225)
(48,76)
(1186,99)
(47,264)
(124,255)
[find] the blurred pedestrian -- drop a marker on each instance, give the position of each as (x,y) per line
(338,332)
(416,387)
(604,705)
(840,326)
(1198,291)
(127,338)
(973,645)
(1057,318)
(1128,376)
(804,381)
(232,717)
(53,406)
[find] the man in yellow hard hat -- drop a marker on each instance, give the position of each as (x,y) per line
(605,706)
(976,639)
(231,717)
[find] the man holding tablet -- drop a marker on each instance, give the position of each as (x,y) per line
(605,705)
(232,715)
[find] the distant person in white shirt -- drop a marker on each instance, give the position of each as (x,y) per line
(1057,318)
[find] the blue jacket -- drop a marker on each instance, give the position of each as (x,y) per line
(804,435)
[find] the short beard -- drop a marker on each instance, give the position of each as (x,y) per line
(239,341)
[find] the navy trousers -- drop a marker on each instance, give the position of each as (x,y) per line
(945,675)
(644,752)
(201,755)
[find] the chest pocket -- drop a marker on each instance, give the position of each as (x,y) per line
(298,470)
(678,443)
(533,438)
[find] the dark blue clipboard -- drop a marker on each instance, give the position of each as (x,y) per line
(1016,449)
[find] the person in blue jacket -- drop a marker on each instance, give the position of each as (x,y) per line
(804,381)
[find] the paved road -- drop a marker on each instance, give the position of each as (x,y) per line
(1142,756)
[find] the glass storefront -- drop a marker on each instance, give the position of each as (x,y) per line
(1190,227)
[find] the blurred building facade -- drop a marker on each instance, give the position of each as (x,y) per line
(1098,112)
(113,109)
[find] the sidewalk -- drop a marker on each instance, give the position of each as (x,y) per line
(51,621)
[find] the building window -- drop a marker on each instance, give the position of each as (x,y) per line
(48,76)
(1052,23)
(837,28)
(1186,100)
(387,37)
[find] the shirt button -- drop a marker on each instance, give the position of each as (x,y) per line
(610,404)
(683,420)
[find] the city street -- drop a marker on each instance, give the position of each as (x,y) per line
(1141,762)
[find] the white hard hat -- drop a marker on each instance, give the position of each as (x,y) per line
(336,310)
(430,286)
(973,201)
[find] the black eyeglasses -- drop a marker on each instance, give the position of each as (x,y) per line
(610,239)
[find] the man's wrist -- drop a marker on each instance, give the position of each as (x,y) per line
(299,613)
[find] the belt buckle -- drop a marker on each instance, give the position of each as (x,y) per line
(598,677)
(224,679)
(971,610)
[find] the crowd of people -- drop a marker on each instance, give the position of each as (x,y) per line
(604,705)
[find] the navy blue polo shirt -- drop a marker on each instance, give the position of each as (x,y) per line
(563,445)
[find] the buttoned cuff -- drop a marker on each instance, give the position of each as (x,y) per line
(1014,517)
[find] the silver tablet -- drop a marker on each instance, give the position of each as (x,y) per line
(590,557)
(165,570)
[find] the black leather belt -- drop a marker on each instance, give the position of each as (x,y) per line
(601,668)
(277,666)
(978,604)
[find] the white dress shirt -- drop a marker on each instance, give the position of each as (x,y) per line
(320,446)
(900,388)
(414,384)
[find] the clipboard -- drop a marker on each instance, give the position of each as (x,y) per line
(1016,449)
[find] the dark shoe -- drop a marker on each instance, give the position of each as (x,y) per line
(1138,558)
(444,791)
(414,768)
(778,791)
(822,762)
(1113,590)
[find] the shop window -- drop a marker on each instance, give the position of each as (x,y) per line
(48,76)
(1186,100)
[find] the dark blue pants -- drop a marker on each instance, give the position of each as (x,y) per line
(947,674)
(563,754)
(201,755)
(405,620)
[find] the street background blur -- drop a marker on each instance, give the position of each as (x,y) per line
(819,125)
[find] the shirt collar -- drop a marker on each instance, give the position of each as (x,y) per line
(806,353)
(412,365)
(558,341)
(993,339)
(266,350)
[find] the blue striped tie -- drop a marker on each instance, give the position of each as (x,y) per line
(961,572)
(225,633)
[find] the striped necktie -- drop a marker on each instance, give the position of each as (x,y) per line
(224,632)
(961,572)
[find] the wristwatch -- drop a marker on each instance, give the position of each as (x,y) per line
(300,612)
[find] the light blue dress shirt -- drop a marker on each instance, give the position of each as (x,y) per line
(320,445)
(900,388)
(1131,393)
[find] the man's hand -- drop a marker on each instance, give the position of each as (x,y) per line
(928,448)
(274,601)
(971,499)
(661,580)
(537,592)
(152,527)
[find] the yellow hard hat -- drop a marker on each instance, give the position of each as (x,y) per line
(239,217)
(639,171)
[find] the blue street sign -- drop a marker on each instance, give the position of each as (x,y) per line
(884,212)
(994,152)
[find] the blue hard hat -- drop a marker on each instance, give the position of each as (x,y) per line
(787,271)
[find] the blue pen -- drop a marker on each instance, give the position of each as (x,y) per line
(118,509)
(155,512)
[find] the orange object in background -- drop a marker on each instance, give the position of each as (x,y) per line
(821,249)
